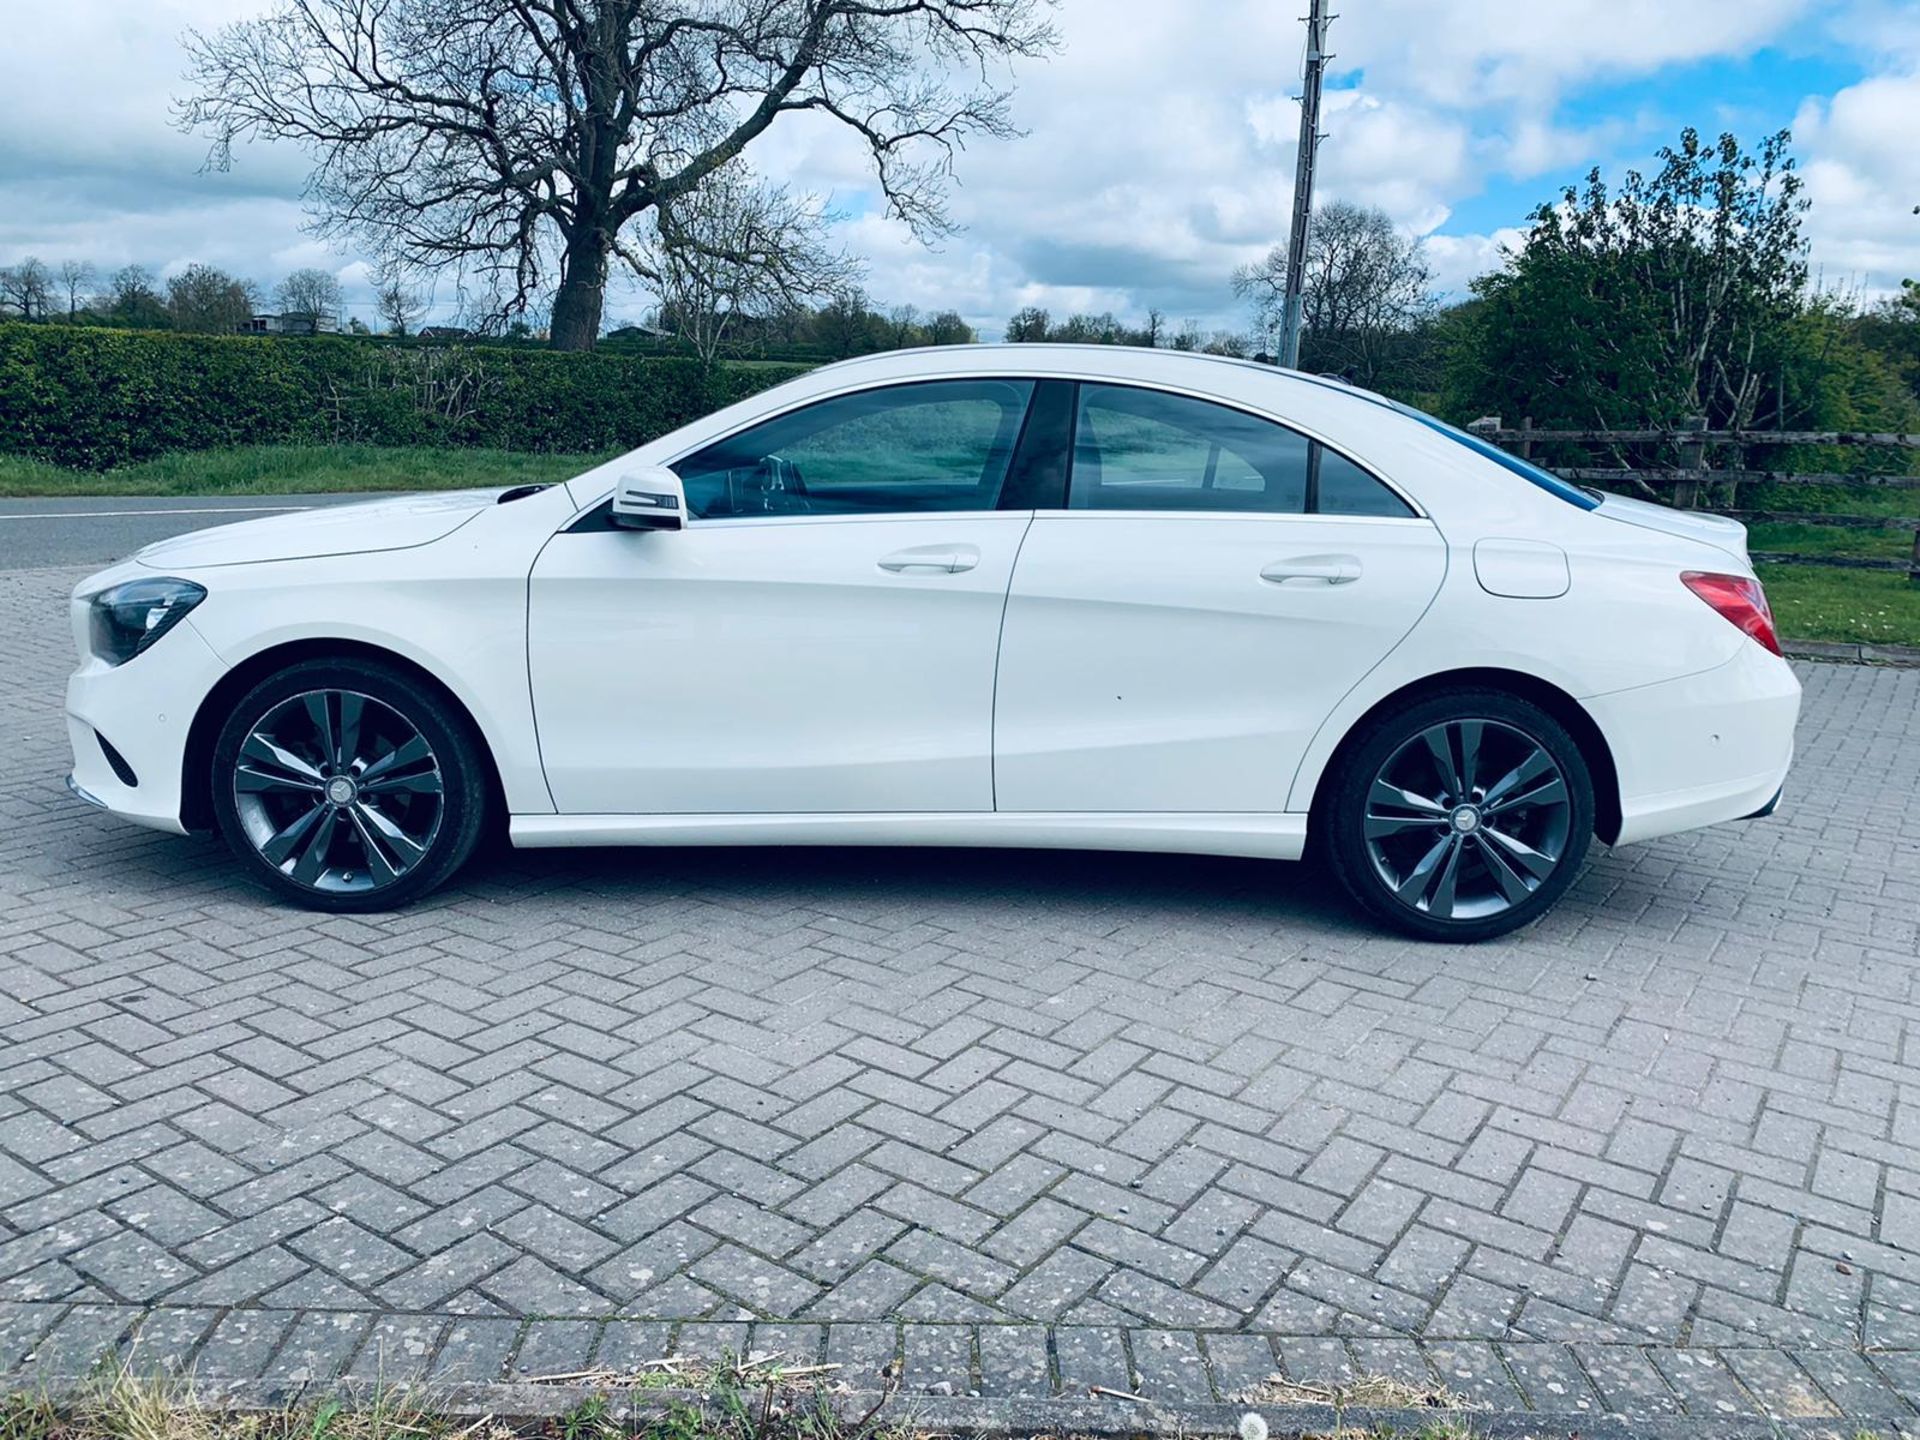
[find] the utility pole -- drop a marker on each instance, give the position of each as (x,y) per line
(1296,281)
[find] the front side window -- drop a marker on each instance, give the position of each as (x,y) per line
(1147,450)
(939,445)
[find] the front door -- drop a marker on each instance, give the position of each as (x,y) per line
(821,638)
(1175,637)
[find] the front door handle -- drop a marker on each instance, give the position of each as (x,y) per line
(1327,569)
(931,560)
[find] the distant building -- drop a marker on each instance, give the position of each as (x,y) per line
(445,332)
(642,331)
(292,325)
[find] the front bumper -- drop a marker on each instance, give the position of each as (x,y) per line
(144,709)
(1703,749)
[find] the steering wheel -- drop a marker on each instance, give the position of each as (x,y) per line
(773,487)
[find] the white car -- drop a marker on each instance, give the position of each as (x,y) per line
(1029,595)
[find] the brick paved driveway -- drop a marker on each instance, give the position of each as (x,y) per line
(1029,1121)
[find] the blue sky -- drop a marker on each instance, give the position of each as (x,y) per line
(1752,95)
(1158,154)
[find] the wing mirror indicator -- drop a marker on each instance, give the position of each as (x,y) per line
(650,498)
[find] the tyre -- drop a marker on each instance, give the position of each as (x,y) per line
(1462,817)
(348,785)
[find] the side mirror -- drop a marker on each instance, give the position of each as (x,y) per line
(650,498)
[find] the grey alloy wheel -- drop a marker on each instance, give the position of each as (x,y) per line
(1468,819)
(338,791)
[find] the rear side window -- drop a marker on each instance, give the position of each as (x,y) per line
(938,445)
(1345,489)
(1139,449)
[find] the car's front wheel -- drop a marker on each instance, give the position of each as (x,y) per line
(1462,817)
(348,785)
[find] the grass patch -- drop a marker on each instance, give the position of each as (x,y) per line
(1882,500)
(295,470)
(1855,607)
(1831,540)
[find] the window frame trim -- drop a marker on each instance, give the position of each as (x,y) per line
(591,517)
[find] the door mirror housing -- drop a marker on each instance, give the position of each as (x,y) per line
(649,498)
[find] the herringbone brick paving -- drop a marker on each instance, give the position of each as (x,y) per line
(1020,1121)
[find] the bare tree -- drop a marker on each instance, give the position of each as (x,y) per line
(737,249)
(208,300)
(311,295)
(27,287)
(399,303)
(1367,283)
(75,278)
(518,139)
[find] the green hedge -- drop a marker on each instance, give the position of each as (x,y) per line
(95,398)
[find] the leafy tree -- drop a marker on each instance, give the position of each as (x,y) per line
(846,325)
(948,328)
(210,301)
(518,140)
(1672,296)
(133,299)
(1029,325)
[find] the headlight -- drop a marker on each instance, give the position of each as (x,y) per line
(126,619)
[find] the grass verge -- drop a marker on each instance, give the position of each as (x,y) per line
(294,470)
(1855,607)
(732,1401)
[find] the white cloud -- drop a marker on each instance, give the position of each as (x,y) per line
(1158,156)
(1863,177)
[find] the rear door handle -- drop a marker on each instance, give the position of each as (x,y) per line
(931,560)
(1327,569)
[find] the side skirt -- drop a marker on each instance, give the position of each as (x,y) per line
(1264,836)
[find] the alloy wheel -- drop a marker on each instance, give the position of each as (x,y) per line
(1467,819)
(338,791)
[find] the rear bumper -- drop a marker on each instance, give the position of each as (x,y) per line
(1704,749)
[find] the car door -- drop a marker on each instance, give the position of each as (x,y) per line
(1175,636)
(821,636)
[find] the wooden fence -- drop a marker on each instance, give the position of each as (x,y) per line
(1693,484)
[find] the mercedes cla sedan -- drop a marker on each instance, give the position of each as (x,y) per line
(1026,596)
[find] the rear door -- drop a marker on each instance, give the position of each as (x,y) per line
(1175,636)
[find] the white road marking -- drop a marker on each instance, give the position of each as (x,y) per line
(118,514)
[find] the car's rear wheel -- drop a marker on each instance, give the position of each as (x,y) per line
(1462,817)
(348,786)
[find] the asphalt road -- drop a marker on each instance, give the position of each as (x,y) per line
(100,530)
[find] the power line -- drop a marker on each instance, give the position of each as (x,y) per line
(1292,295)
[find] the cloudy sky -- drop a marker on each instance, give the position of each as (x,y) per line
(1159,144)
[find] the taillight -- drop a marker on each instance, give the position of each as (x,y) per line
(1739,599)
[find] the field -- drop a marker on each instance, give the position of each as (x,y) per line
(1810,602)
